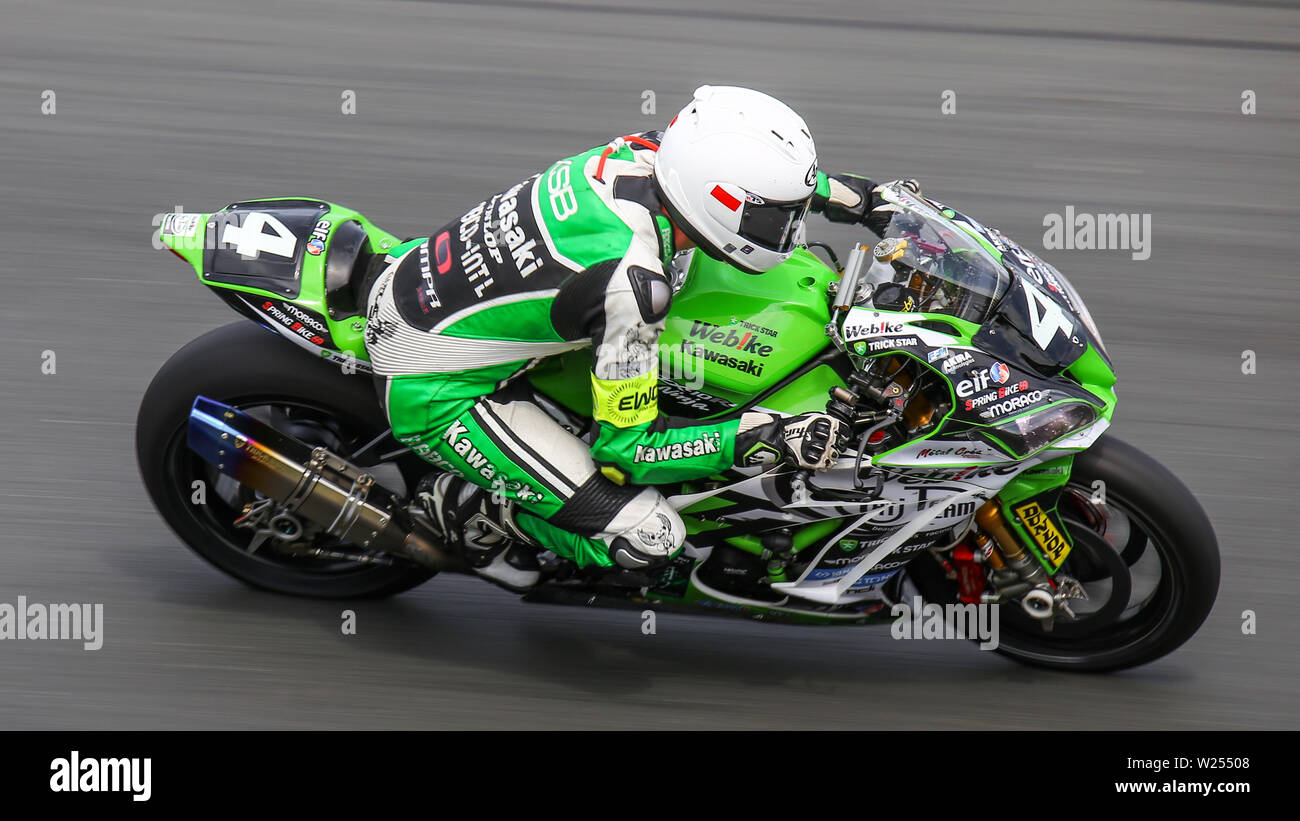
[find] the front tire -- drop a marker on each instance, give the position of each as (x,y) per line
(1153,571)
(249,367)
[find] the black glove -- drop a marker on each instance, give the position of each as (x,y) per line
(812,441)
(850,198)
(853,199)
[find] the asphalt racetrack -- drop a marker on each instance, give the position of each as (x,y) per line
(1107,106)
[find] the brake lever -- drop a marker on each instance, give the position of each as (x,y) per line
(858,484)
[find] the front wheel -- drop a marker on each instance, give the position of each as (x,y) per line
(252,369)
(1144,553)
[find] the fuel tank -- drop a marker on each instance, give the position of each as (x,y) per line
(729,337)
(734,335)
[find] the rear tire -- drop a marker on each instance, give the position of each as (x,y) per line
(245,365)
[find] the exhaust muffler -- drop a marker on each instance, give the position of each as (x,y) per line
(313,483)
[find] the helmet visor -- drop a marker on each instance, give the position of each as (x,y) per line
(773,225)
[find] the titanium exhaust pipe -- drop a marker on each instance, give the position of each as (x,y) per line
(313,483)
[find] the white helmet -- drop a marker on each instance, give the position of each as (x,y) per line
(736,170)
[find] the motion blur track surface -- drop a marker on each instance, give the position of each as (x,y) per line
(1107,106)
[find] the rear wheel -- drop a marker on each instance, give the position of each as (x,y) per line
(1147,558)
(250,368)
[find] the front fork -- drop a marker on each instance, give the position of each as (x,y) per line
(1018,545)
(1001,563)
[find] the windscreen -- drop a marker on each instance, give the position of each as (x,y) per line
(932,265)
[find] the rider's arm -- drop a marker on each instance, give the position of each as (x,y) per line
(851,198)
(634,442)
(621,305)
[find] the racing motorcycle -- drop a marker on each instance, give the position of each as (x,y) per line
(975,382)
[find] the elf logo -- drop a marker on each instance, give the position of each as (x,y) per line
(745,342)
(319,235)
(995,375)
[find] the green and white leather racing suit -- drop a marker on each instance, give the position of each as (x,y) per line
(573,257)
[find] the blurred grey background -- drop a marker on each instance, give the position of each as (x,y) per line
(1108,106)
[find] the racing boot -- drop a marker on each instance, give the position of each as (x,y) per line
(492,545)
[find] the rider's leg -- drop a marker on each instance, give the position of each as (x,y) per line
(516,453)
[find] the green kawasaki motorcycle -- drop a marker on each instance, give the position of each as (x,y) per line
(976,384)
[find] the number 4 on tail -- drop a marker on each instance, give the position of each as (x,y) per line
(1045,317)
(250,241)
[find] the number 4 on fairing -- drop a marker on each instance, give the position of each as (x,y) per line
(1046,318)
(251,240)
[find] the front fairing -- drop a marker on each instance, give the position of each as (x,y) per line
(1043,321)
(1029,376)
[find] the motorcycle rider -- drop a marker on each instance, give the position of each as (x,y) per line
(574,257)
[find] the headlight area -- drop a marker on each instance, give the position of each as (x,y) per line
(1026,435)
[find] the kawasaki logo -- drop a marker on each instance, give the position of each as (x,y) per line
(749,366)
(745,342)
(502,485)
(465,450)
(520,246)
(699,446)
